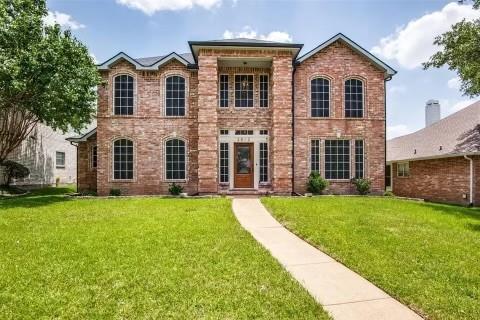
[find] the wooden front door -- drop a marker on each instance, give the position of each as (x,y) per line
(243,165)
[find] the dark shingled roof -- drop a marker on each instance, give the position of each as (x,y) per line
(457,134)
(148,61)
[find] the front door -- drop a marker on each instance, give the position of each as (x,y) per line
(243,165)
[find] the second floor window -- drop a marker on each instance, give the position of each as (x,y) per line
(320,97)
(353,98)
(123,95)
(175,96)
(244,91)
(224,91)
(263,91)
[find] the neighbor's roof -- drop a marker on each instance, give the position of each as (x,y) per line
(457,134)
(83,136)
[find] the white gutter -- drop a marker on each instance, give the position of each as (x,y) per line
(471,178)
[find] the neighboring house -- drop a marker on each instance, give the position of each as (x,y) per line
(238,116)
(440,162)
(48,156)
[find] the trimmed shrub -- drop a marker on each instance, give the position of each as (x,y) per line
(115,192)
(362,185)
(14,170)
(175,189)
(316,184)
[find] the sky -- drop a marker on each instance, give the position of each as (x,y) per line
(399,32)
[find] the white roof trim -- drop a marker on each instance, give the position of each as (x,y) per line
(84,137)
(389,70)
(106,65)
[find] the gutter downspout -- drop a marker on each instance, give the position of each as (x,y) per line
(293,128)
(76,146)
(471,179)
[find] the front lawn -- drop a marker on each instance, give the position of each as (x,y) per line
(138,258)
(426,255)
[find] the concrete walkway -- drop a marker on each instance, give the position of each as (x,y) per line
(342,292)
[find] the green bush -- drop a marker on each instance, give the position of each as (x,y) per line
(14,170)
(362,185)
(115,192)
(388,194)
(175,189)
(316,184)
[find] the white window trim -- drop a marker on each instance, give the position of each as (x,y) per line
(262,183)
(407,165)
(259,87)
(61,166)
(234,92)
(186,77)
(219,163)
(228,91)
(134,76)
(164,143)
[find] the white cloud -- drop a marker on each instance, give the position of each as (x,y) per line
(454,83)
(413,44)
(397,89)
(248,32)
(460,105)
(149,7)
(63,19)
(397,131)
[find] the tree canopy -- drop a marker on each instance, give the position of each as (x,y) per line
(46,75)
(460,50)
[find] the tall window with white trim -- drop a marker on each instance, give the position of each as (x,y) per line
(315,155)
(359,159)
(224,91)
(175,96)
(263,162)
(337,159)
(243,91)
(123,95)
(224,157)
(320,97)
(175,164)
(403,169)
(353,98)
(263,91)
(123,159)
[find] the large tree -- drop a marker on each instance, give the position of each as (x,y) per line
(46,75)
(460,50)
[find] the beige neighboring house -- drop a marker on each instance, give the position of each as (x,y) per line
(48,156)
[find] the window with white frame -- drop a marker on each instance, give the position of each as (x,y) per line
(353,98)
(224,91)
(359,159)
(320,97)
(315,155)
(60,159)
(94,157)
(123,95)
(224,158)
(263,162)
(123,159)
(175,96)
(403,169)
(243,91)
(337,159)
(263,91)
(175,164)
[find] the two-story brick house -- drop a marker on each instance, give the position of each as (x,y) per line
(238,115)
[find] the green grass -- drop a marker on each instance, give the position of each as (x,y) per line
(138,259)
(427,255)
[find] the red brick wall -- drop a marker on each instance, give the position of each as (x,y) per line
(440,180)
(87,176)
(476,183)
(148,128)
(338,62)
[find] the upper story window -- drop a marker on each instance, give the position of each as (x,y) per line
(263,91)
(123,159)
(175,159)
(224,91)
(60,159)
(244,91)
(353,98)
(320,97)
(175,96)
(123,95)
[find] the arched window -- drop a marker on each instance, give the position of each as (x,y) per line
(320,97)
(175,159)
(123,95)
(175,96)
(123,159)
(353,98)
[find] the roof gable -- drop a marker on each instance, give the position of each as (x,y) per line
(146,63)
(389,71)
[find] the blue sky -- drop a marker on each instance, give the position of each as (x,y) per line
(400,32)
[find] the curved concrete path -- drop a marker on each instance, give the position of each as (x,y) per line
(342,292)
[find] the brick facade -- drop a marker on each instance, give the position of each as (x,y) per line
(149,127)
(440,180)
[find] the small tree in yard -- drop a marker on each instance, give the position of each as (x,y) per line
(14,170)
(46,75)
